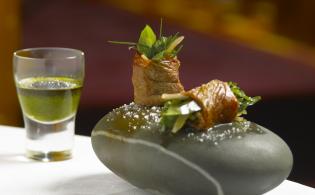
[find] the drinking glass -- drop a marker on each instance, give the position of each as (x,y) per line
(49,83)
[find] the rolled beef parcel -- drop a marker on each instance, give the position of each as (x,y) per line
(219,104)
(151,79)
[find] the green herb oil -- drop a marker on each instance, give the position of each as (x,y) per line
(49,99)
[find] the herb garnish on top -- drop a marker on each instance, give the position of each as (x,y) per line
(155,48)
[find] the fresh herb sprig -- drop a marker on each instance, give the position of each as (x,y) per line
(155,48)
(243,100)
(175,113)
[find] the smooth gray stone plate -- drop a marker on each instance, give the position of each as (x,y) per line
(231,159)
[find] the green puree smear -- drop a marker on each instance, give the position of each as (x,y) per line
(49,99)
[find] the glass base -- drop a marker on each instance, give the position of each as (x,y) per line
(49,142)
(49,156)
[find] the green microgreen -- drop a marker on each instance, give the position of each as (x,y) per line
(243,99)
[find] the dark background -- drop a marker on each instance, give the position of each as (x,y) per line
(286,84)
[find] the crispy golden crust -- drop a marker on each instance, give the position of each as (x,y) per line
(152,79)
(218,103)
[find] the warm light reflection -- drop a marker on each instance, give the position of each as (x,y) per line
(267,25)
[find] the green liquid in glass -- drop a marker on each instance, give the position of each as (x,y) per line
(49,99)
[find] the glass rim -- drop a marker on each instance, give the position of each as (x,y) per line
(76,51)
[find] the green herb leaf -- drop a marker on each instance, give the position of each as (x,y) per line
(174,43)
(179,123)
(143,49)
(123,42)
(147,37)
(176,112)
(158,56)
(176,51)
(161,27)
(243,99)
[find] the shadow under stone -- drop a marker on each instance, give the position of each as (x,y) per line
(104,184)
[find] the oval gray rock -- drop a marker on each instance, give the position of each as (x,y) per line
(230,159)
